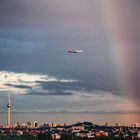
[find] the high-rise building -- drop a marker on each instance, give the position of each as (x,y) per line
(8,113)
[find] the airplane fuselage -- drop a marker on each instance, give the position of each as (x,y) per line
(74,51)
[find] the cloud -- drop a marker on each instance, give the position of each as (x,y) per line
(51,93)
(61,86)
(19,86)
(70,101)
(25,82)
(63,111)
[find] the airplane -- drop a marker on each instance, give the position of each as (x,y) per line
(74,51)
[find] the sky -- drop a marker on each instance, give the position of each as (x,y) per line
(43,78)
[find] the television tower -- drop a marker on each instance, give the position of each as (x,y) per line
(8,113)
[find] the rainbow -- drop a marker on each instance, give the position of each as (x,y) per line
(122,48)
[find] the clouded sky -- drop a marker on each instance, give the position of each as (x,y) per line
(43,77)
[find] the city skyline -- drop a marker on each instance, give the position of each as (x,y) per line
(43,78)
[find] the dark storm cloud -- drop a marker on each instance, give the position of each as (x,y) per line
(89,89)
(60,85)
(51,93)
(19,86)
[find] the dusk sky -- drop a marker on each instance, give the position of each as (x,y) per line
(43,78)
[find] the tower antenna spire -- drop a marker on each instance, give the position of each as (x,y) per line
(9,112)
